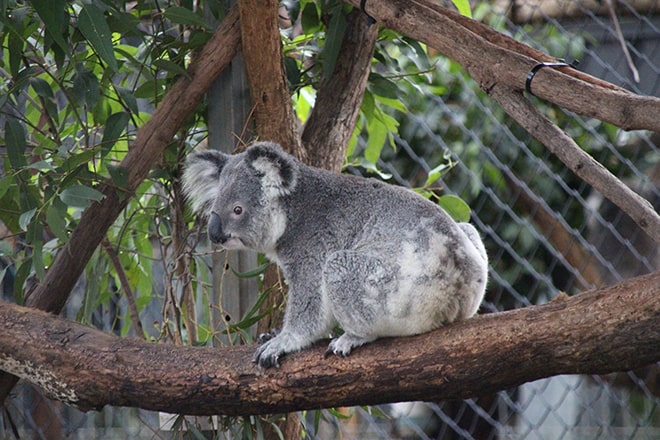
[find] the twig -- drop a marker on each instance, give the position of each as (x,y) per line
(125,287)
(617,27)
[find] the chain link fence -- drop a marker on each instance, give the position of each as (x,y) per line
(545,230)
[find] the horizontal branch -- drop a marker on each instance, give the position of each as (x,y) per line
(597,332)
(494,58)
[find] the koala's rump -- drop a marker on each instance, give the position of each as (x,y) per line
(400,265)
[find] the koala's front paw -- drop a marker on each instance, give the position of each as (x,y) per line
(343,345)
(265,337)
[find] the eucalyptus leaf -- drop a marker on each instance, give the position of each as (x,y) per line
(129,99)
(309,19)
(56,220)
(16,144)
(455,207)
(114,127)
(333,39)
(80,196)
(95,29)
(463,7)
(54,15)
(86,88)
(171,67)
(181,15)
(26,218)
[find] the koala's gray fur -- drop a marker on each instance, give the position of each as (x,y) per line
(376,259)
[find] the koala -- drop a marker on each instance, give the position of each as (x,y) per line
(376,259)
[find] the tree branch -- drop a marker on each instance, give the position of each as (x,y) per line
(332,121)
(262,53)
(493,58)
(581,163)
(597,332)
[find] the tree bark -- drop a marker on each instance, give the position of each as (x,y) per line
(262,53)
(597,332)
(332,121)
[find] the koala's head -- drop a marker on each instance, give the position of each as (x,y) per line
(241,194)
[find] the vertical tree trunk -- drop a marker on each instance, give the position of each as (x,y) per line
(332,121)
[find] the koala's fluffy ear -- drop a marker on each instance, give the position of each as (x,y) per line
(278,170)
(200,178)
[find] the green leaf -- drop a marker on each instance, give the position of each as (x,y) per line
(309,19)
(455,207)
(252,273)
(129,99)
(42,87)
(86,89)
(119,177)
(181,15)
(56,220)
(44,90)
(16,145)
(333,39)
(38,255)
(114,127)
(53,14)
(463,7)
(26,218)
(21,275)
(377,135)
(80,196)
(439,171)
(95,29)
(171,67)
(382,86)
(6,250)
(5,183)
(15,46)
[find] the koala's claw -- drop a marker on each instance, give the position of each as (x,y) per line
(266,360)
(343,345)
(338,347)
(330,351)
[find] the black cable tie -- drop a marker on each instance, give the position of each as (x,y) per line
(370,19)
(539,66)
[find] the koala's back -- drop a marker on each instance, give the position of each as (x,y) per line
(399,261)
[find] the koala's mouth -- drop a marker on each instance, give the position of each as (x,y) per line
(232,243)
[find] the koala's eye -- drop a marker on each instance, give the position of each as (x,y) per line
(238,210)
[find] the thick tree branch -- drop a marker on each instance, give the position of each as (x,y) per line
(332,121)
(493,58)
(262,53)
(597,332)
(151,140)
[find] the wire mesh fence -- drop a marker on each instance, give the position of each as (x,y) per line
(545,230)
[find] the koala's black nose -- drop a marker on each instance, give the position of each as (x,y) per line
(216,234)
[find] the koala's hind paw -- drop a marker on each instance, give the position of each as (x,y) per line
(266,356)
(343,345)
